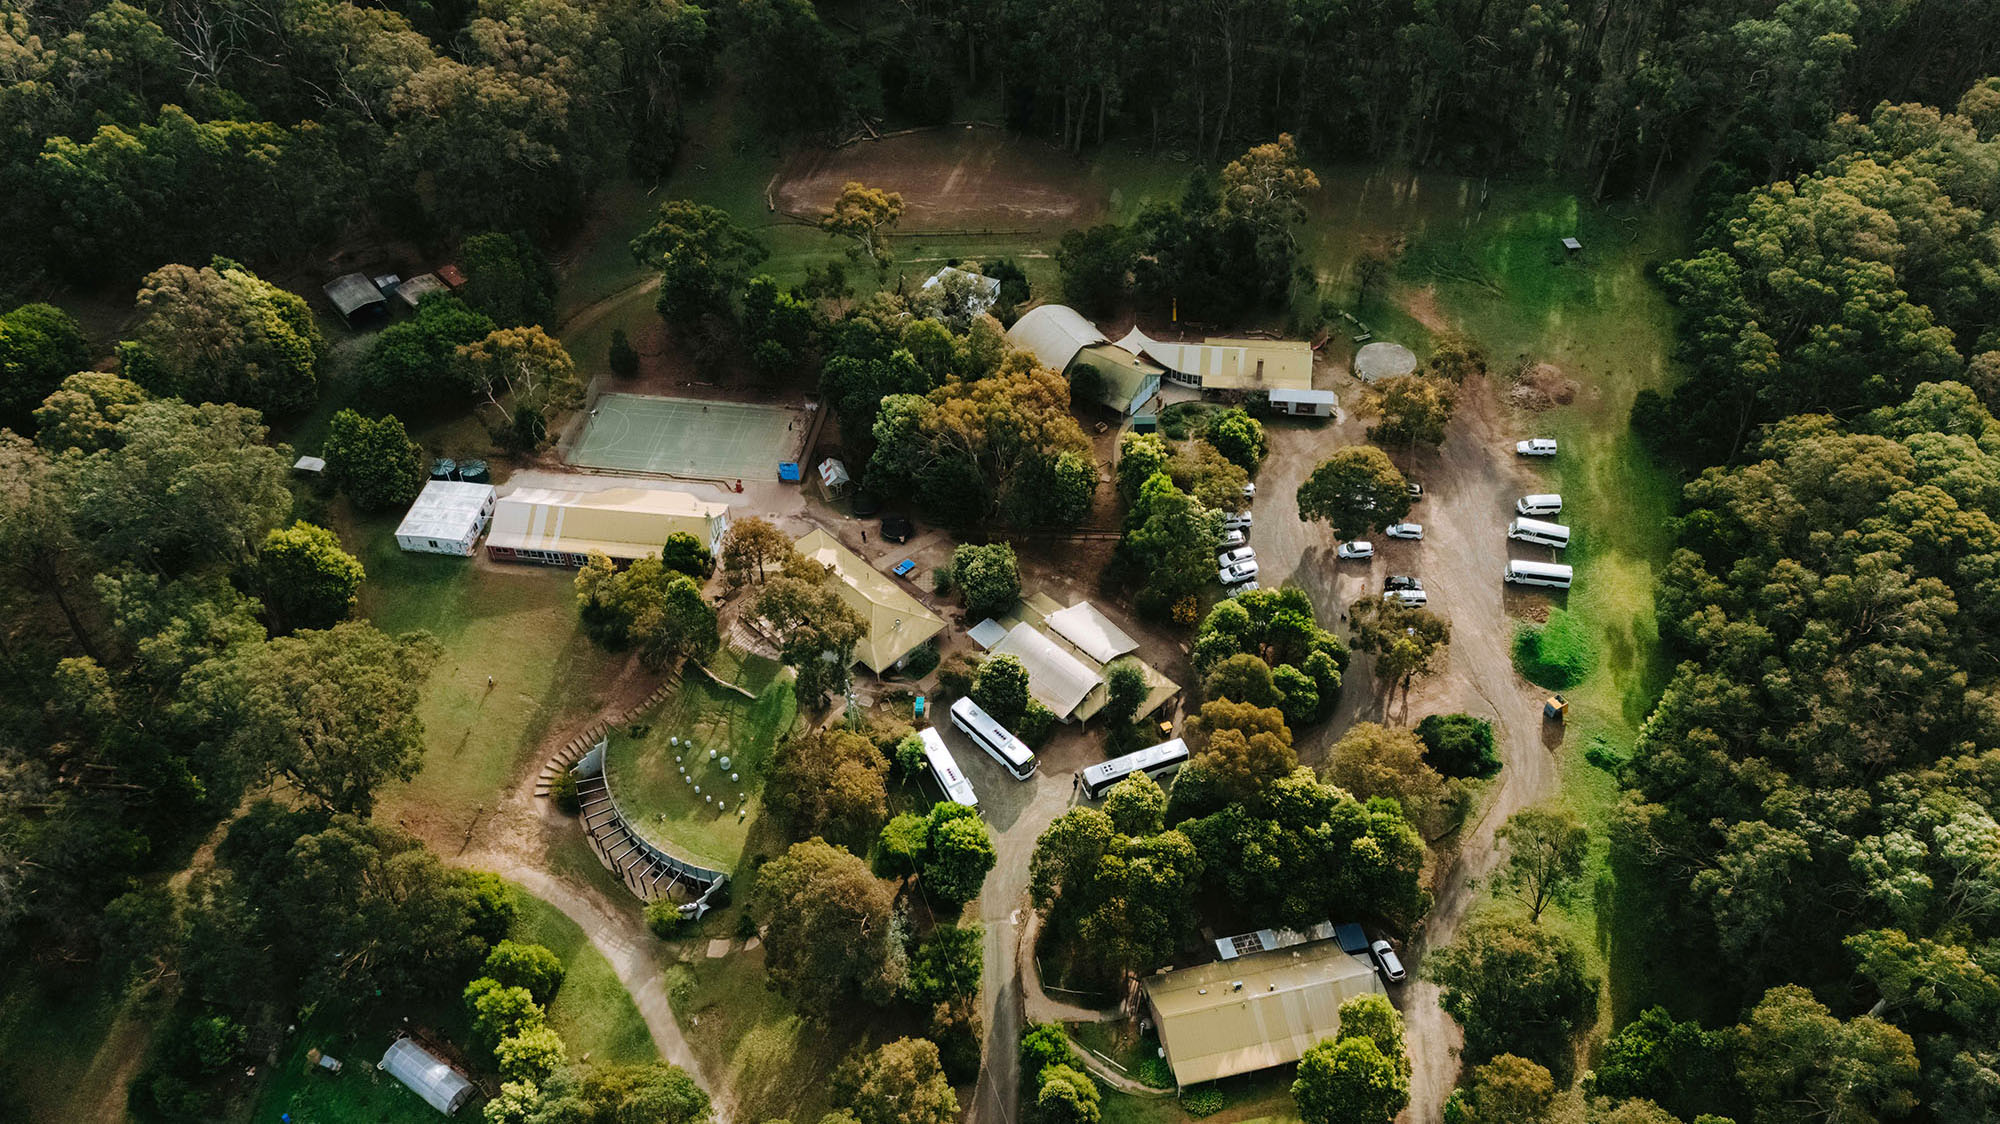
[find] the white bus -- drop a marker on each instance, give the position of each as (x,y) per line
(991,736)
(1538,573)
(945,768)
(1155,761)
(1536,531)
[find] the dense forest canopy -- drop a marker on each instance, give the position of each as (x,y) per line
(136,134)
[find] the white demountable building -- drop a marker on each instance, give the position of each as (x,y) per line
(1305,403)
(427,1075)
(448,518)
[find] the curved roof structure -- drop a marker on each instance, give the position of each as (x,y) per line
(1053,334)
(427,1075)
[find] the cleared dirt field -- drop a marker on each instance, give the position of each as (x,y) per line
(950,178)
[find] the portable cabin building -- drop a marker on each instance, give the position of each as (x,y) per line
(447,518)
(1305,403)
(357,300)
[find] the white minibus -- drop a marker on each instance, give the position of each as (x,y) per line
(1554,574)
(1539,505)
(1536,531)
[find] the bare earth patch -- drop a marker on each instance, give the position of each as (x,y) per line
(1541,386)
(1422,305)
(950,178)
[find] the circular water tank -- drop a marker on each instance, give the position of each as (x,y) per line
(1383,360)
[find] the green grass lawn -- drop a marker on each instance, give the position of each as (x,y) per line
(516,624)
(1264,1097)
(776,1062)
(1135,1054)
(712,723)
(592,1010)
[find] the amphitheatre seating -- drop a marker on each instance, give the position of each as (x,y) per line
(646,869)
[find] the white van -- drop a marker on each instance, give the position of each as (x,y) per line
(1536,531)
(1521,572)
(1539,505)
(1407,597)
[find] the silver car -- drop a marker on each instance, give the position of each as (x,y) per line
(1387,963)
(1232,557)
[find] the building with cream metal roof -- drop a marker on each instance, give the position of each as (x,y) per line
(1255,1011)
(563,528)
(897,622)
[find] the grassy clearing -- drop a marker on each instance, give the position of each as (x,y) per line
(517,625)
(1500,275)
(645,763)
(53,1027)
(592,1011)
(1135,1054)
(776,1062)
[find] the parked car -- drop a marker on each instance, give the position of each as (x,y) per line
(1249,491)
(1232,557)
(1356,550)
(1243,588)
(1404,530)
(895,528)
(1536,447)
(1407,597)
(1401,581)
(1416,491)
(1232,538)
(1236,521)
(1237,572)
(1387,962)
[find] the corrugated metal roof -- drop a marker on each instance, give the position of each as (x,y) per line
(352,291)
(1092,632)
(987,633)
(1056,679)
(897,622)
(1223,363)
(623,523)
(1254,1012)
(1053,334)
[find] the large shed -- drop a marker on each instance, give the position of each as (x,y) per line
(357,299)
(897,622)
(1053,334)
(1056,679)
(447,518)
(1094,634)
(554,527)
(1224,363)
(427,1075)
(1255,1011)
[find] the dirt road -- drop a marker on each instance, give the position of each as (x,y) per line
(1472,483)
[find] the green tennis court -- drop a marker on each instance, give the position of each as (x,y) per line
(689,437)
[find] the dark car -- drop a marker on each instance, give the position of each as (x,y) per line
(1394,582)
(895,528)
(866,505)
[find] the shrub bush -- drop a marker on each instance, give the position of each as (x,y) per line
(1557,655)
(563,792)
(922,661)
(1207,1100)
(1459,745)
(1036,724)
(664,919)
